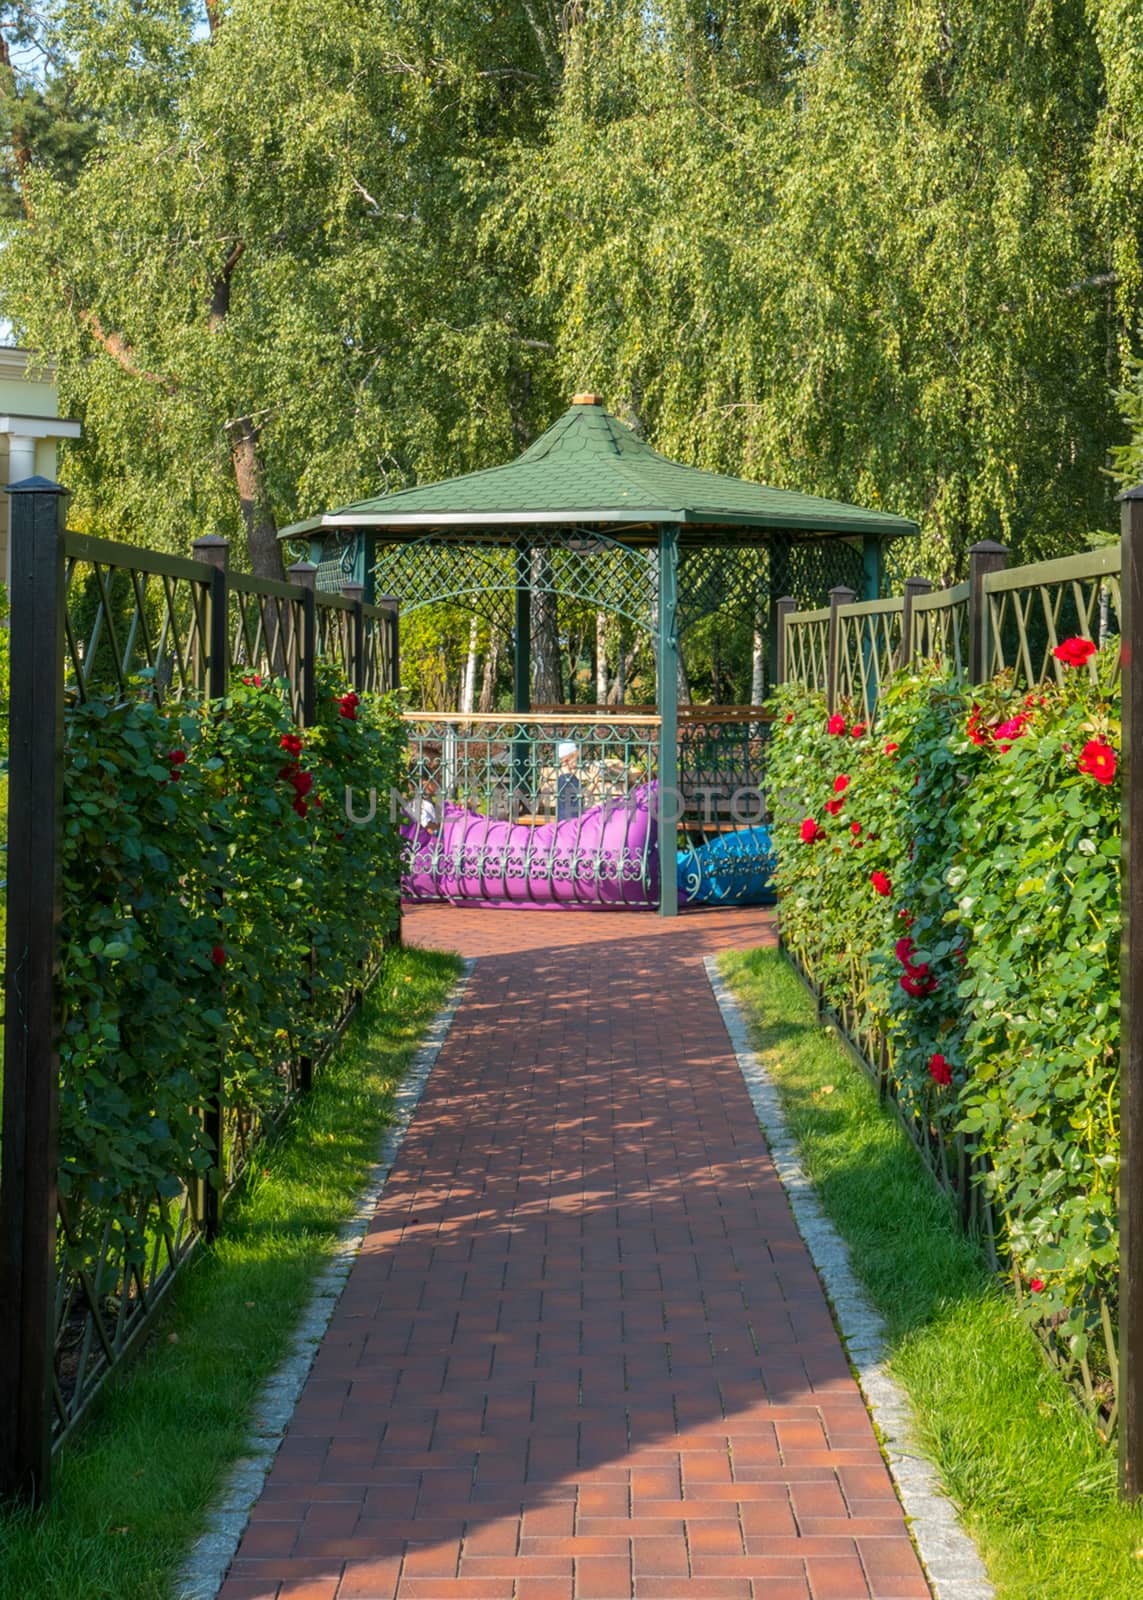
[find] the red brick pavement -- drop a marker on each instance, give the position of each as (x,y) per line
(583,1354)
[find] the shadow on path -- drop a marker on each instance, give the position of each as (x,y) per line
(583,1354)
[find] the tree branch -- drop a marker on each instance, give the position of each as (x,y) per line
(220,292)
(122,353)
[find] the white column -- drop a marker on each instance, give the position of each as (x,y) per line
(21,457)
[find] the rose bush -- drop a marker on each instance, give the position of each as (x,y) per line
(217,909)
(959,912)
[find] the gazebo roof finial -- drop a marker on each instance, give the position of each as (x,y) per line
(587,398)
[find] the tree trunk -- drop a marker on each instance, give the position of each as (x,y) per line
(491,667)
(758,660)
(547,686)
(257,517)
(601,658)
(683,681)
(468,693)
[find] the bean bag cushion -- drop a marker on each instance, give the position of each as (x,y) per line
(733,869)
(606,857)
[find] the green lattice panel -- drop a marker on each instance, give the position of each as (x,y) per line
(869,644)
(1078,596)
(480,573)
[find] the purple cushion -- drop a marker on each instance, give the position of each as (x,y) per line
(606,857)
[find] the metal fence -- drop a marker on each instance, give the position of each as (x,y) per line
(1005,620)
(89,618)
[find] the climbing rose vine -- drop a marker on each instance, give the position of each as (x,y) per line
(216,913)
(961,903)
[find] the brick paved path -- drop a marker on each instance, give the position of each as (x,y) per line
(583,1354)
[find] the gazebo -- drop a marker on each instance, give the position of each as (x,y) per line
(592,514)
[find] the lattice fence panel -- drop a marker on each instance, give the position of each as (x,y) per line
(1027,623)
(138,628)
(869,645)
(940,629)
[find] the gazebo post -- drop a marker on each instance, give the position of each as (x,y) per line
(872,561)
(522,653)
(668,692)
(522,668)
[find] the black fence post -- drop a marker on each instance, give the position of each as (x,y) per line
(355,593)
(785,606)
(838,597)
(983,558)
(1131,1004)
(213,551)
(304,574)
(913,587)
(28,1194)
(391,677)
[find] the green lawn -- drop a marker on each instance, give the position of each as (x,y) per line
(1036,1486)
(134,1488)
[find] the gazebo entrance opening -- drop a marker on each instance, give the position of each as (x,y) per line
(647,805)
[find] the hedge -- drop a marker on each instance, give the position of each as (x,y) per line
(217,911)
(950,883)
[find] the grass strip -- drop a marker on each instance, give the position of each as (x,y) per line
(1034,1483)
(133,1490)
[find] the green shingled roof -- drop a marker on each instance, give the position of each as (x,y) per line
(588,467)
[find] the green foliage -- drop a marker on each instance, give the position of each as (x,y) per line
(206,854)
(990,967)
(888,252)
(873,251)
(276,222)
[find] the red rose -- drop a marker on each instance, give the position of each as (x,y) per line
(1098,760)
(907,917)
(177,757)
(891,749)
(834,806)
(855,828)
(291,743)
(303,782)
(881,883)
(1037,1286)
(347,705)
(857,730)
(939,1070)
(789,716)
(810,831)
(1074,652)
(1010,730)
(218,956)
(836,723)
(973,728)
(918,983)
(300,807)
(841,784)
(903,950)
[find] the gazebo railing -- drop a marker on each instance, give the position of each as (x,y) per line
(532,808)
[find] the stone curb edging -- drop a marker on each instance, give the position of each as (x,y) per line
(205,1569)
(952,1565)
